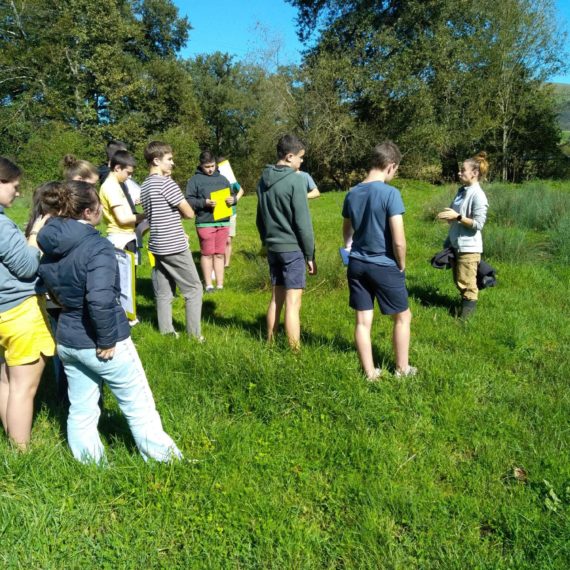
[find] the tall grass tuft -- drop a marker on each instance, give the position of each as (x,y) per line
(533,207)
(510,245)
(560,240)
(437,202)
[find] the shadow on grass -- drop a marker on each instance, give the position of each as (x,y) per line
(257,329)
(431,297)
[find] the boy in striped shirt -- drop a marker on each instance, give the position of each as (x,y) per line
(165,206)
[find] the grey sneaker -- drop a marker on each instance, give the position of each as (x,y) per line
(409,372)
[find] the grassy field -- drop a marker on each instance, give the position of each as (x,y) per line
(303,464)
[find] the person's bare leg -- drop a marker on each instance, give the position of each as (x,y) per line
(274,311)
(228,252)
(23,381)
(363,341)
(4,393)
(401,339)
(293,299)
(219,269)
(207,263)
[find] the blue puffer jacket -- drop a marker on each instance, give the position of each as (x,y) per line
(80,272)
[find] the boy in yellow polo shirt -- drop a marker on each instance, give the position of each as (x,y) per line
(118,209)
(119,216)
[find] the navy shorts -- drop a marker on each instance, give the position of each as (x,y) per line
(287,269)
(386,283)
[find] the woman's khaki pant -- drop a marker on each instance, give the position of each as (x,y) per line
(465,274)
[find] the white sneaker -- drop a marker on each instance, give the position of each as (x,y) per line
(375,376)
(173,334)
(409,372)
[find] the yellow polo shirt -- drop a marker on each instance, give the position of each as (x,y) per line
(111,196)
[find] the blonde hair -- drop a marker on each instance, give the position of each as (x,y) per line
(76,168)
(480,163)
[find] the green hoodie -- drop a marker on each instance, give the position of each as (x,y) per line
(283,218)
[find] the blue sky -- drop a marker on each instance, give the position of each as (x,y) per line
(249,27)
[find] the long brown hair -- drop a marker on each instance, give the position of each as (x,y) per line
(70,199)
(39,208)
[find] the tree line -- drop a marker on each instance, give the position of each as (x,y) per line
(443,78)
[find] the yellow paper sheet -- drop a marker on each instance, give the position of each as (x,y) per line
(221,210)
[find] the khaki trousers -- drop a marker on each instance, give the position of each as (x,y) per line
(465,274)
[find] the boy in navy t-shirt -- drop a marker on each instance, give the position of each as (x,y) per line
(372,213)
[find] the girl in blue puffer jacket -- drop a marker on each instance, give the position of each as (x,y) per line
(93,335)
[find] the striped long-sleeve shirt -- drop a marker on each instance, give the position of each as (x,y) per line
(160,197)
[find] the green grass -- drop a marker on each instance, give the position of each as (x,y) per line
(301,463)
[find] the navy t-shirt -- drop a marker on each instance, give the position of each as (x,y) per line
(369,206)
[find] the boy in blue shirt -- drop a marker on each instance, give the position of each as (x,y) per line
(373,220)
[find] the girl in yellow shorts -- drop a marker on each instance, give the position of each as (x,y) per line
(25,337)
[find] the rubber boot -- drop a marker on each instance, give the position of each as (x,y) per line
(467,309)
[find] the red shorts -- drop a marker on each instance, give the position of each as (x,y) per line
(213,239)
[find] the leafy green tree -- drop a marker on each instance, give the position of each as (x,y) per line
(224,91)
(107,69)
(337,140)
(439,77)
(522,52)
(245,108)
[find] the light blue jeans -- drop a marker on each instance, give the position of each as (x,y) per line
(127,380)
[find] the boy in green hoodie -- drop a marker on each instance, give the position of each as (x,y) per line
(285,229)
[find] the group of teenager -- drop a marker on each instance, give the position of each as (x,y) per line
(63,258)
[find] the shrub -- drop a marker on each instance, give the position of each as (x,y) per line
(41,156)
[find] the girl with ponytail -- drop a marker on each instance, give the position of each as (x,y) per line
(80,272)
(77,169)
(466,217)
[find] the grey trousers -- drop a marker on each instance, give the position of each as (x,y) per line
(170,271)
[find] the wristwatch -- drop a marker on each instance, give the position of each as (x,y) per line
(459,217)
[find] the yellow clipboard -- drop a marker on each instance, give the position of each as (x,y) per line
(221,209)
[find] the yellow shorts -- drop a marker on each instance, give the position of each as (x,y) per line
(25,334)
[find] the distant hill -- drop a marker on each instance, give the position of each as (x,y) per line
(562,91)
